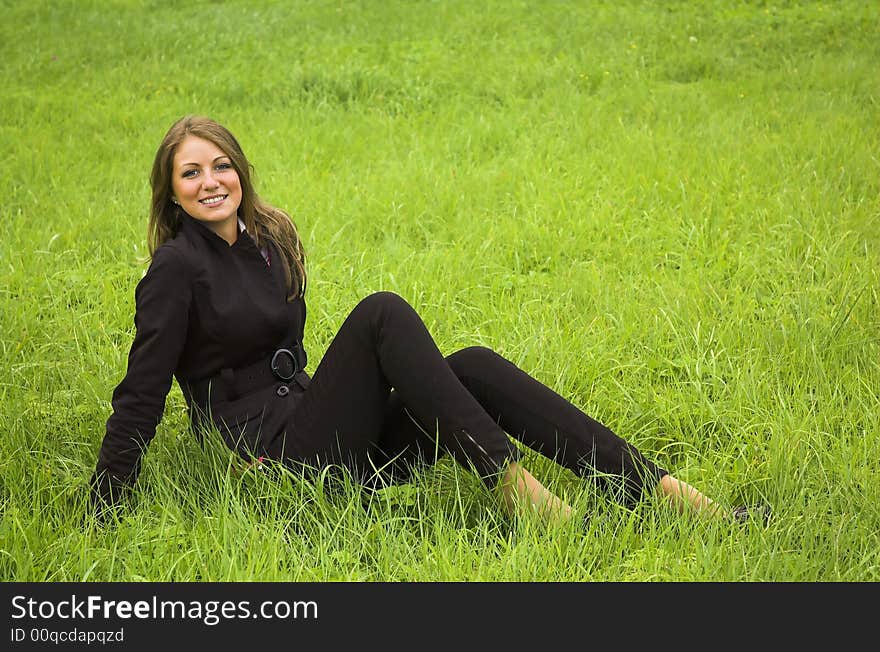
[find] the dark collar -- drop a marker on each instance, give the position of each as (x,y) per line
(192,225)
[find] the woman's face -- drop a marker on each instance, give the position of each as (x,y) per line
(205,184)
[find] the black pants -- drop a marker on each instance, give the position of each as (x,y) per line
(385,399)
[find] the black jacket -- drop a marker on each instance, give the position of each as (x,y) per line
(202,307)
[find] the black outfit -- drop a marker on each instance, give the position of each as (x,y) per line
(382,399)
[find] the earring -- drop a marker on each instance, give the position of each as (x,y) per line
(174,200)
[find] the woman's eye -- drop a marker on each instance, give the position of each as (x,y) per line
(188,174)
(224,166)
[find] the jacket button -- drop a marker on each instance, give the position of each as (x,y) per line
(283,390)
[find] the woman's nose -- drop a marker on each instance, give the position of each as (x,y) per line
(208,181)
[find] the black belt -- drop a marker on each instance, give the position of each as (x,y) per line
(282,366)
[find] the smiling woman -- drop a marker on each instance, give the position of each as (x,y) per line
(228,323)
(206,186)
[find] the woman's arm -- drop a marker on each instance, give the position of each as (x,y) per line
(162,300)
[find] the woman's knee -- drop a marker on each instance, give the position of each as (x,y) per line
(381,310)
(467,361)
(383,301)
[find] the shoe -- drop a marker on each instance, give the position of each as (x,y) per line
(745,513)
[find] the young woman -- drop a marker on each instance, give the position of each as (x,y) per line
(222,308)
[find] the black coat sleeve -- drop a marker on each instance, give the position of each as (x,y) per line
(162,301)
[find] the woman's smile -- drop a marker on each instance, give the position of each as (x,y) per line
(213,200)
(206,185)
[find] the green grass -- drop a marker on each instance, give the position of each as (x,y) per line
(667,212)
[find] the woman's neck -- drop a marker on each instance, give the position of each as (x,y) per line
(227,229)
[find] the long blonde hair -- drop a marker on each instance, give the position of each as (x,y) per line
(262,221)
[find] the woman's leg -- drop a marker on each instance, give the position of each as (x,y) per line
(403,445)
(521,491)
(349,413)
(546,422)
(383,344)
(685,497)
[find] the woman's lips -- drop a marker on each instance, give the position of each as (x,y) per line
(214,200)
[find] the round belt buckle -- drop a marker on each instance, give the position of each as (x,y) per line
(282,370)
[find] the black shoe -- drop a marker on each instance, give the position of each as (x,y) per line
(746,513)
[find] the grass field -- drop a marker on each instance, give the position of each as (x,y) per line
(667,212)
